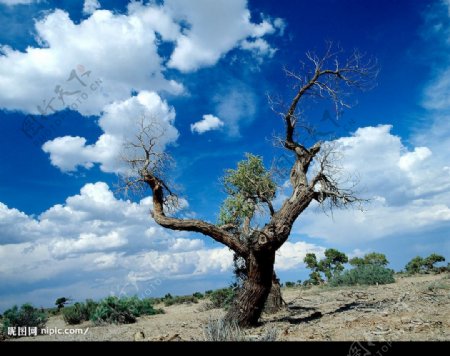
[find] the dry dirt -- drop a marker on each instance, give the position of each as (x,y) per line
(413,308)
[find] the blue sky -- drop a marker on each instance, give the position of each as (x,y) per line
(204,70)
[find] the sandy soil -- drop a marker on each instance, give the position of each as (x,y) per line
(414,308)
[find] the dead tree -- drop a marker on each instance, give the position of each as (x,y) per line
(314,176)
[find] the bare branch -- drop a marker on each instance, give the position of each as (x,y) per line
(148,167)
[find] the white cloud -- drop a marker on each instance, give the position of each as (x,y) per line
(236,106)
(120,123)
(209,122)
(94,231)
(121,50)
(290,256)
(259,46)
(215,28)
(89,6)
(15,226)
(410,190)
(17,2)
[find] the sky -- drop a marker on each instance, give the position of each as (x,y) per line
(75,76)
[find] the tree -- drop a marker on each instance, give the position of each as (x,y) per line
(423,265)
(311,262)
(331,265)
(415,265)
(60,302)
(372,258)
(314,176)
(248,187)
(431,260)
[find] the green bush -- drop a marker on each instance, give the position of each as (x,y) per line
(74,314)
(180,300)
(198,295)
(26,315)
(122,310)
(222,298)
(110,310)
(365,274)
(289,284)
(425,265)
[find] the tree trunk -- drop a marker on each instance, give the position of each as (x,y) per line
(274,301)
(249,303)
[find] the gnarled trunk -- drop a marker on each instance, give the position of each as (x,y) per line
(249,303)
(274,301)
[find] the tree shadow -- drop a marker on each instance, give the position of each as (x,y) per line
(316,314)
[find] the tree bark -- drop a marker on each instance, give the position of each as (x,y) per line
(249,303)
(274,301)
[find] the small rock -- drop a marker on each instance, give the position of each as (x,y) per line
(139,336)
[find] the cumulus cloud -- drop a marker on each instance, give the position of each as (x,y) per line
(89,6)
(209,123)
(94,231)
(290,256)
(410,189)
(215,28)
(129,62)
(201,31)
(120,123)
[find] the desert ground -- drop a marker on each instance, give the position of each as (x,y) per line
(413,308)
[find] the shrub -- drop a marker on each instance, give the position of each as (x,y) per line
(415,265)
(424,265)
(331,265)
(289,284)
(61,302)
(365,274)
(27,316)
(198,295)
(74,314)
(180,300)
(219,330)
(372,258)
(79,312)
(110,310)
(222,298)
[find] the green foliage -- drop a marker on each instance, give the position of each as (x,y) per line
(311,260)
(372,258)
(180,300)
(79,312)
(289,284)
(110,310)
(122,310)
(415,265)
(60,302)
(26,315)
(198,295)
(431,260)
(222,298)
(424,265)
(76,314)
(364,275)
(247,187)
(331,265)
